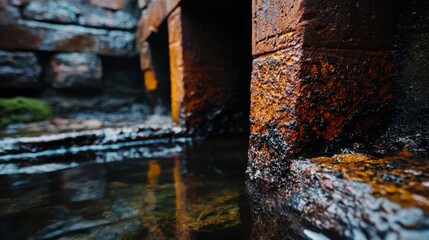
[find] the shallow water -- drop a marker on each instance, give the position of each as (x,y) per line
(190,192)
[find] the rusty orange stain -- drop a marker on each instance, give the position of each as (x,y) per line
(150,81)
(369,170)
(176,65)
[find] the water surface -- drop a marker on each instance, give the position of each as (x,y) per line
(190,192)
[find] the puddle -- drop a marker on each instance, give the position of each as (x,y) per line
(190,192)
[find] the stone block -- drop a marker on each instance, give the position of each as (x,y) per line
(361,24)
(58,11)
(104,18)
(112,4)
(276,25)
(66,38)
(19,70)
(321,76)
(281,24)
(19,3)
(75,70)
(345,196)
(8,15)
(305,97)
(81,13)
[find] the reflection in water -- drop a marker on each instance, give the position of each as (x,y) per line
(156,198)
(180,189)
(148,218)
(82,184)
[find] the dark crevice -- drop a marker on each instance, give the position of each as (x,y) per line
(159,53)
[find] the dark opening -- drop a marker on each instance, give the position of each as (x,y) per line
(159,50)
(120,91)
(221,43)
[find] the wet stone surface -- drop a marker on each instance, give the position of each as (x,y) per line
(164,192)
(351,196)
(79,12)
(58,11)
(67,26)
(34,35)
(25,147)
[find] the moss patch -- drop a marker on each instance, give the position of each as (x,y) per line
(23,110)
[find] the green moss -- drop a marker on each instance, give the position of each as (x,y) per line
(23,110)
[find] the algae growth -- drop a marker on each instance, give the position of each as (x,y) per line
(23,110)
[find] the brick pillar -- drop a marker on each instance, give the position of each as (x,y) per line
(202,80)
(321,74)
(175,41)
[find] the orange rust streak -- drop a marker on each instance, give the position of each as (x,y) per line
(150,81)
(176,64)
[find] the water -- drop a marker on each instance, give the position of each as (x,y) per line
(190,192)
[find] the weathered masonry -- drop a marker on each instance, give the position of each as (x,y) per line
(321,74)
(339,120)
(326,76)
(201,51)
(78,55)
(335,94)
